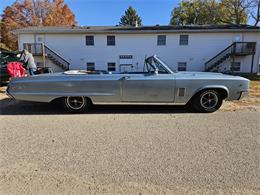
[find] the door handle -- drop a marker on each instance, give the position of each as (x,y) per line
(125,77)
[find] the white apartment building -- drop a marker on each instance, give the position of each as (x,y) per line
(222,48)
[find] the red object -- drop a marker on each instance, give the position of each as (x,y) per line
(15,69)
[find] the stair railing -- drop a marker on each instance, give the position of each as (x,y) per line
(57,57)
(212,61)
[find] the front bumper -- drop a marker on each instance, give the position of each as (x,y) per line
(243,94)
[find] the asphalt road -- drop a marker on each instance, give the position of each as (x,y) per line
(120,149)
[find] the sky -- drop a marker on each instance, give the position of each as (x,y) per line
(109,12)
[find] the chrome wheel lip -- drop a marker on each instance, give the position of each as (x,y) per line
(75,103)
(208,100)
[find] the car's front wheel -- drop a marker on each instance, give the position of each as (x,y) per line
(207,101)
(76,104)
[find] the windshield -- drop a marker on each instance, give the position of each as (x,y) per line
(155,64)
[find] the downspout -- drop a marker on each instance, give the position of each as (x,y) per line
(233,57)
(252,63)
(253,57)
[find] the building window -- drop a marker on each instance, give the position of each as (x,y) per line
(184,39)
(90,66)
(89,40)
(182,66)
(161,40)
(39,39)
(235,66)
(111,66)
(111,40)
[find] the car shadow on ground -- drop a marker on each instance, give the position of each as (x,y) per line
(13,107)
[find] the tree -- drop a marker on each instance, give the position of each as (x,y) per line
(60,15)
(196,12)
(130,18)
(2,45)
(24,13)
(211,12)
(235,11)
(255,13)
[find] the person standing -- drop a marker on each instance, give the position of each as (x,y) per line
(29,61)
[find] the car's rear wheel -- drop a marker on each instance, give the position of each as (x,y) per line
(76,104)
(207,101)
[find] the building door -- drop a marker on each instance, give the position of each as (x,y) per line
(39,38)
(36,48)
(125,63)
(39,49)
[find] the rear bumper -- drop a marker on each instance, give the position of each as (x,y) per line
(7,92)
(243,94)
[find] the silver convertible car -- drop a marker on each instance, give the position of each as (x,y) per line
(77,90)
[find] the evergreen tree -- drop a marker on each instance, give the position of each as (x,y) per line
(130,18)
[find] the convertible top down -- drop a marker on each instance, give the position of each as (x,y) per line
(77,90)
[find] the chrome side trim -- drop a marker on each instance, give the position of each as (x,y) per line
(137,103)
(63,94)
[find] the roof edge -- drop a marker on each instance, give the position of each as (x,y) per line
(136,30)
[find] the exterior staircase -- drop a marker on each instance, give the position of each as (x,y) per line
(41,49)
(233,50)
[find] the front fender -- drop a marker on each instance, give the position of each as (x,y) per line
(212,87)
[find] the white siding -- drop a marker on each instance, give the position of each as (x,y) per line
(25,38)
(201,47)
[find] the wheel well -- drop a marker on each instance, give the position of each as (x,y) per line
(56,100)
(60,98)
(221,91)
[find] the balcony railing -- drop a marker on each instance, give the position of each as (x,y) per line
(235,49)
(34,48)
(244,48)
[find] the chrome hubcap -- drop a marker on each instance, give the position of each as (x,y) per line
(208,100)
(75,103)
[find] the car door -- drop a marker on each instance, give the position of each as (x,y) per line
(157,88)
(104,88)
